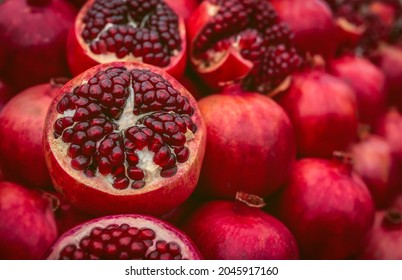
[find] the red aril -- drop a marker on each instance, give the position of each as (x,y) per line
(124,237)
(328,209)
(33,35)
(125,133)
(228,230)
(241,41)
(133,30)
(374,162)
(27,224)
(250,144)
(367,82)
(322,109)
(5,93)
(312,22)
(21,134)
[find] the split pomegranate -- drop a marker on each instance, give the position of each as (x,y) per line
(5,93)
(33,35)
(250,144)
(21,134)
(243,42)
(312,22)
(227,230)
(374,162)
(328,209)
(124,237)
(385,239)
(368,83)
(322,109)
(128,30)
(27,224)
(125,133)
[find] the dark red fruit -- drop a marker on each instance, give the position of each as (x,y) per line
(5,93)
(125,133)
(322,109)
(27,224)
(328,209)
(33,35)
(250,144)
(124,237)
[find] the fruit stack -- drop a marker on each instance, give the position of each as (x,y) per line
(185,129)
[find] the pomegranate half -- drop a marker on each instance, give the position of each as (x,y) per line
(134,30)
(124,237)
(124,137)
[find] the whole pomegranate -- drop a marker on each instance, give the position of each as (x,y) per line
(125,133)
(135,30)
(243,42)
(367,82)
(33,35)
(322,109)
(21,133)
(227,230)
(27,224)
(328,209)
(311,21)
(374,162)
(250,144)
(124,237)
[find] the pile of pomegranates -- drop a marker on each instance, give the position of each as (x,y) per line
(211,129)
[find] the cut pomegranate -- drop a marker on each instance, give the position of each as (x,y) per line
(125,133)
(241,41)
(124,237)
(33,35)
(128,30)
(226,230)
(250,144)
(21,135)
(27,224)
(323,111)
(327,208)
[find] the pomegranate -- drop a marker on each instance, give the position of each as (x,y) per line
(21,132)
(240,41)
(390,127)
(250,144)
(311,21)
(368,83)
(389,60)
(125,133)
(127,236)
(374,162)
(27,224)
(384,241)
(30,60)
(327,207)
(184,8)
(128,30)
(322,109)
(228,230)
(5,93)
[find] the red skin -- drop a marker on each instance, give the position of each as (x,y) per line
(5,93)
(21,130)
(374,162)
(327,209)
(368,83)
(312,22)
(34,41)
(250,144)
(226,230)
(183,8)
(27,224)
(322,109)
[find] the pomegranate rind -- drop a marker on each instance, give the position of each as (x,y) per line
(91,196)
(80,57)
(162,229)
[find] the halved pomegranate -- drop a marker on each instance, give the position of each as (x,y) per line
(124,237)
(241,41)
(124,137)
(127,30)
